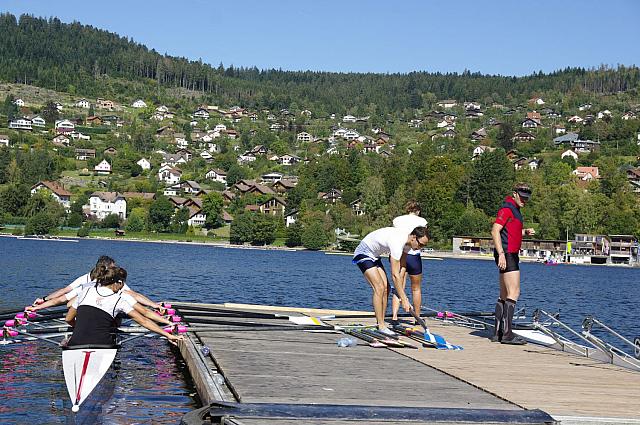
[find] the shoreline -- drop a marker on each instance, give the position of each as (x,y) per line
(435,255)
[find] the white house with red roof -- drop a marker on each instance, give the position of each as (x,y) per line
(58,192)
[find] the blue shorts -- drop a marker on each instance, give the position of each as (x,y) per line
(414,264)
(364,263)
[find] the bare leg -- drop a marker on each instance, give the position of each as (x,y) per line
(376,277)
(510,283)
(416,291)
(395,301)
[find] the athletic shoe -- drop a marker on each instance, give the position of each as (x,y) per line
(514,340)
(496,338)
(386,331)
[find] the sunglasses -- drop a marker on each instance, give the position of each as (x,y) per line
(525,195)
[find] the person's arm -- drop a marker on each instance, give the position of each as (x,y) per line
(398,282)
(149,324)
(151,315)
(56,294)
(62,299)
(142,299)
(529,232)
(497,242)
(71,317)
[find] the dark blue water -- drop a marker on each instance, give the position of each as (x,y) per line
(306,279)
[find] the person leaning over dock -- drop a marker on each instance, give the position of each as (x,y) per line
(410,221)
(55,298)
(396,243)
(507,235)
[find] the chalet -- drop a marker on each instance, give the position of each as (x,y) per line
(559,129)
(4,140)
(449,134)
(575,119)
(180,140)
(415,123)
(228,196)
(273,206)
(232,134)
(102,204)
(201,113)
(585,107)
(534,116)
(177,201)
(305,113)
(259,150)
(520,163)
(479,134)
(83,103)
(604,114)
(93,120)
(443,124)
(169,175)
(173,159)
(60,140)
(587,173)
(633,177)
(357,207)
(139,104)
(271,178)
(283,186)
(165,131)
(288,159)
(64,126)
(110,151)
(383,135)
(629,116)
(537,101)
(473,113)
(144,163)
(534,163)
(187,154)
(217,175)
(531,123)
(573,139)
(197,217)
(189,186)
(523,136)
(349,118)
(162,109)
(253,116)
(291,218)
(19,102)
(103,167)
(472,106)
(479,150)
(331,197)
(250,186)
(105,104)
(206,156)
(447,104)
(304,137)
(84,154)
(21,124)
(276,126)
(246,158)
(569,153)
(351,135)
(77,135)
(58,192)
(37,121)
(157,116)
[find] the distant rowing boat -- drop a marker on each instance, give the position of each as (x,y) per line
(45,238)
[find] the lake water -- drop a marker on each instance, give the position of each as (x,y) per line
(150,385)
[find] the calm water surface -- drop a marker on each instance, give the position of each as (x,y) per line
(149,384)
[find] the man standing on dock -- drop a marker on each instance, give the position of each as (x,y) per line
(395,242)
(507,235)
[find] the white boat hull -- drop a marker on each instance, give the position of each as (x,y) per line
(83,371)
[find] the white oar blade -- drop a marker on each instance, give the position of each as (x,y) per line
(83,370)
(305,320)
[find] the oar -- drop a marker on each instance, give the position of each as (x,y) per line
(40,338)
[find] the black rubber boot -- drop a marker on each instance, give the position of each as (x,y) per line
(508,336)
(498,322)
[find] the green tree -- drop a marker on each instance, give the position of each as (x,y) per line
(264,229)
(557,173)
(160,213)
(179,222)
(314,236)
(241,230)
(50,112)
(9,108)
(492,177)
(212,206)
(112,221)
(136,220)
(13,198)
(505,137)
(40,223)
(294,235)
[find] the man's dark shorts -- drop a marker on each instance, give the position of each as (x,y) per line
(414,264)
(364,263)
(513,261)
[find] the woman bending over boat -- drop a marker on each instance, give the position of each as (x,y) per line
(93,314)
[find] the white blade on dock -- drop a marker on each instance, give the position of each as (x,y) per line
(83,370)
(535,336)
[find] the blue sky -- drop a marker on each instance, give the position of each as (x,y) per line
(508,37)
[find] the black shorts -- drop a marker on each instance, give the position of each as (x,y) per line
(364,263)
(513,261)
(414,264)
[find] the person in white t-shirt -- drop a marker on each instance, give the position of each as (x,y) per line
(395,242)
(66,294)
(94,311)
(410,221)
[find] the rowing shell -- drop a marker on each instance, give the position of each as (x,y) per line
(84,366)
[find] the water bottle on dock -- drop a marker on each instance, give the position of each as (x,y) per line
(347,342)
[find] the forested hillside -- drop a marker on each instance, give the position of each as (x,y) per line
(77,58)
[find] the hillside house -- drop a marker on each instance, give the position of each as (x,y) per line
(283,186)
(57,191)
(578,146)
(523,136)
(569,153)
(357,207)
(537,101)
(559,129)
(271,178)
(217,175)
(103,167)
(479,134)
(37,121)
(144,163)
(575,119)
(105,104)
(201,113)
(288,159)
(447,104)
(60,140)
(246,158)
(169,175)
(274,206)
(349,118)
(83,103)
(586,173)
(206,156)
(530,123)
(21,124)
(139,104)
(102,204)
(173,159)
(84,154)
(304,137)
(331,197)
(4,140)
(630,115)
(64,127)
(479,150)
(110,151)
(19,103)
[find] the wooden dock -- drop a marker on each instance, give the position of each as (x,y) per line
(263,368)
